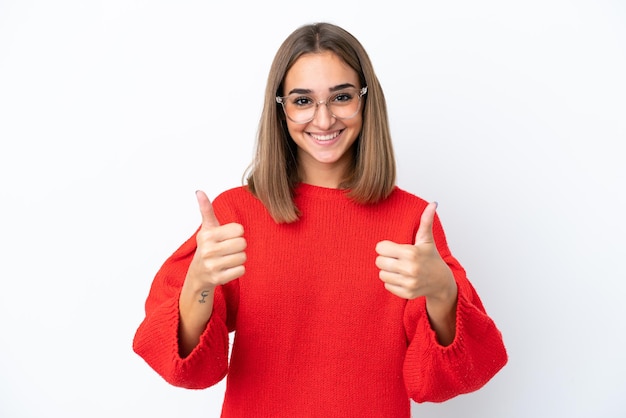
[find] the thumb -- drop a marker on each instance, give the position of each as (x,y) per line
(425,231)
(206,210)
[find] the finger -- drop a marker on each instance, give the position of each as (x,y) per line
(230,274)
(402,267)
(225,263)
(391,278)
(399,291)
(206,210)
(387,263)
(385,248)
(218,243)
(425,231)
(390,252)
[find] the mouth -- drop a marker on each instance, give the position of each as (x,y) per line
(325,138)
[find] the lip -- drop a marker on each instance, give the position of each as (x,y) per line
(325,139)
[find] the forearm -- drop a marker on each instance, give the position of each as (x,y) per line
(441,311)
(434,373)
(195,308)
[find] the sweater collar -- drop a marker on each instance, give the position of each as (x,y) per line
(304,189)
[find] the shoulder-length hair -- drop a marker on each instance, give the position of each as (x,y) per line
(273,173)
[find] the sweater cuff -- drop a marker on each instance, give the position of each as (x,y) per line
(436,373)
(157,342)
(467,315)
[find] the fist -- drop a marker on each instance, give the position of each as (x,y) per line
(219,256)
(410,271)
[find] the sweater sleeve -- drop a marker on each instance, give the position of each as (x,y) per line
(156,339)
(434,373)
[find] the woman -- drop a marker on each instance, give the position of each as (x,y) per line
(341,290)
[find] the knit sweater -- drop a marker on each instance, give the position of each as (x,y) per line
(316,332)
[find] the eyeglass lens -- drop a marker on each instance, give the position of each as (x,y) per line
(342,105)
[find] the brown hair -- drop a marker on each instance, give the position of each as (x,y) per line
(273,174)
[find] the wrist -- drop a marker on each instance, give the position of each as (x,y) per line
(447,291)
(194,284)
(441,311)
(443,302)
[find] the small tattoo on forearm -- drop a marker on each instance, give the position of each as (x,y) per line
(204,294)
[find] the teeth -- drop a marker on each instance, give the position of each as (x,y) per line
(325,137)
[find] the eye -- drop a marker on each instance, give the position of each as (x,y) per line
(302,101)
(342,97)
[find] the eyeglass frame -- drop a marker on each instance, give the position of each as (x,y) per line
(281,99)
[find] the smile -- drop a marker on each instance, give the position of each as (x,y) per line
(324,138)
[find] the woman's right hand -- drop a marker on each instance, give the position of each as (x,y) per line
(220,255)
(219,259)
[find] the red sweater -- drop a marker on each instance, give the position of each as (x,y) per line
(316,333)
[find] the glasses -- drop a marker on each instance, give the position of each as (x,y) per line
(344,104)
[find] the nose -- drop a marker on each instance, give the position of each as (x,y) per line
(323,116)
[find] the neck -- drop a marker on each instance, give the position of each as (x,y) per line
(324,177)
(320,174)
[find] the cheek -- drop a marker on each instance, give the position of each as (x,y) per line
(356,124)
(294,129)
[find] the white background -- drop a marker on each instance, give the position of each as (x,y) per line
(112,113)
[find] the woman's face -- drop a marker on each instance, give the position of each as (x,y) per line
(324,143)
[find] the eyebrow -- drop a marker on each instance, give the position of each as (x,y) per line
(332,89)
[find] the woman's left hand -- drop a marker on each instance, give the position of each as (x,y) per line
(410,271)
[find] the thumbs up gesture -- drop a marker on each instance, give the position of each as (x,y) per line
(219,256)
(410,271)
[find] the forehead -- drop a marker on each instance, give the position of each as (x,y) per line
(319,72)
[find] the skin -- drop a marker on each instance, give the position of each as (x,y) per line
(323,163)
(219,258)
(406,270)
(410,271)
